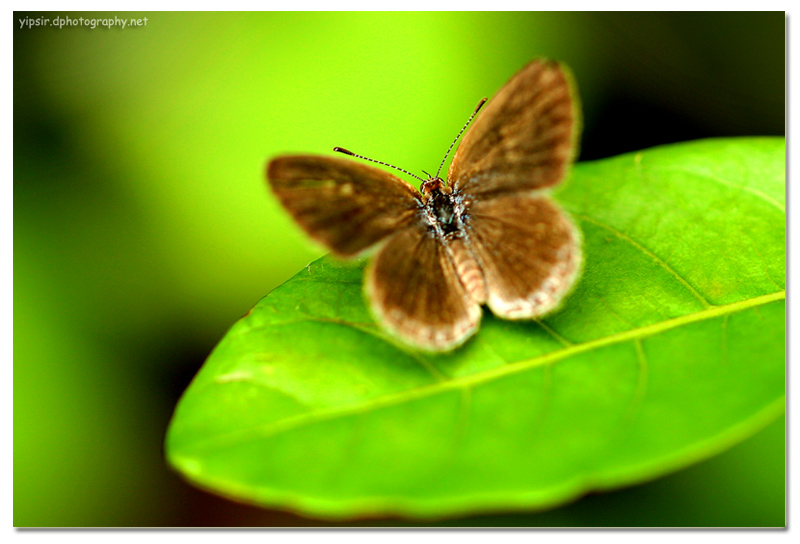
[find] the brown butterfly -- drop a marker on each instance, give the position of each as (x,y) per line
(488,234)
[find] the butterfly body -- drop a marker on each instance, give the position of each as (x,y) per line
(446,215)
(490,234)
(443,211)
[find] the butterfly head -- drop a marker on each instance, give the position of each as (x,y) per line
(433,183)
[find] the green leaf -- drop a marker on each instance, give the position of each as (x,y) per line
(670,350)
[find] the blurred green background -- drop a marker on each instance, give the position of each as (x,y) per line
(143,228)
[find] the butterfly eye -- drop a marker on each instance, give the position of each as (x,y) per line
(431,185)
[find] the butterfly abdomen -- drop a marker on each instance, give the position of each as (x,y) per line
(468,270)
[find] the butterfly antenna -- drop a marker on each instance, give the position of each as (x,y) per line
(346,152)
(474,113)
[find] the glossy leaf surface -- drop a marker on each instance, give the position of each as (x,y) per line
(670,349)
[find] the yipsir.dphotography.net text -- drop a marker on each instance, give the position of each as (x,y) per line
(92,23)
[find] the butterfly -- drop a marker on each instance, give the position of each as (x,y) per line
(487,234)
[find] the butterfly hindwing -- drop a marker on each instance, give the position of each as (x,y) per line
(529,252)
(524,139)
(414,288)
(344,205)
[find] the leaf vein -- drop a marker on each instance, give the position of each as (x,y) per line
(560,339)
(724,340)
(290,423)
(642,378)
(652,255)
(463,419)
(766,198)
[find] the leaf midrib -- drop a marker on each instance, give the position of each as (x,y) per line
(486,375)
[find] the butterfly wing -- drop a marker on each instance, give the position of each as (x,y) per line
(415,291)
(524,139)
(348,207)
(529,252)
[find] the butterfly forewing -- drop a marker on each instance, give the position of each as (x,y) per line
(525,137)
(529,252)
(414,289)
(344,205)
